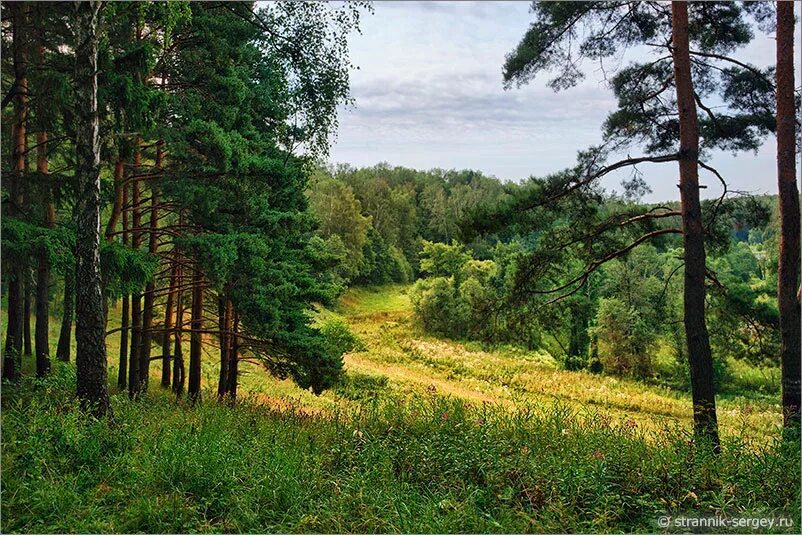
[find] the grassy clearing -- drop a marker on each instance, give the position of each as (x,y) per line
(414,361)
(424,435)
(429,464)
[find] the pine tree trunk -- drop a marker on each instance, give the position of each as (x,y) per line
(179,369)
(65,334)
(699,354)
(26,316)
(134,375)
(196,338)
(233,355)
(224,326)
(168,325)
(150,287)
(12,355)
(117,207)
(122,370)
(788,270)
(42,336)
(90,332)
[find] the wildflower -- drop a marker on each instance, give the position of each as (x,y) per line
(480,421)
(444,416)
(598,455)
(630,424)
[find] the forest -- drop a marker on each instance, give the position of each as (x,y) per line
(209,325)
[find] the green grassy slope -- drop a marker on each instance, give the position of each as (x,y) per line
(426,435)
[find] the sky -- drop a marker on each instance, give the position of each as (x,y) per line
(428,93)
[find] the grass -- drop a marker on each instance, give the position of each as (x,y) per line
(424,435)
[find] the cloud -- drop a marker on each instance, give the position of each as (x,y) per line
(429,93)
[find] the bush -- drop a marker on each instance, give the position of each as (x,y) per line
(339,338)
(438,307)
(623,340)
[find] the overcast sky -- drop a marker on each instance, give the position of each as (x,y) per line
(429,94)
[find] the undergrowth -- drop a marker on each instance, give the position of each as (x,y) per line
(428,464)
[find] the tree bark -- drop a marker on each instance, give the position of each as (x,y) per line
(134,375)
(196,338)
(788,269)
(90,332)
(122,370)
(150,287)
(224,324)
(179,370)
(65,334)
(27,346)
(168,325)
(233,355)
(699,354)
(12,355)
(42,336)
(117,207)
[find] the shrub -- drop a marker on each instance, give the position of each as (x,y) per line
(339,338)
(623,340)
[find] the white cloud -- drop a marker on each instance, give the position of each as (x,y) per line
(429,94)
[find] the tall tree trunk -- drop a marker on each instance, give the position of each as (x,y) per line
(699,355)
(196,337)
(42,337)
(27,346)
(90,332)
(134,375)
(179,369)
(788,270)
(122,370)
(168,324)
(12,355)
(65,333)
(224,325)
(150,287)
(233,355)
(119,194)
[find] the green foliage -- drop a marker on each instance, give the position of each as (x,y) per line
(360,386)
(623,339)
(443,260)
(431,464)
(340,216)
(339,337)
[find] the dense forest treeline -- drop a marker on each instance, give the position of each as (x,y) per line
(394,224)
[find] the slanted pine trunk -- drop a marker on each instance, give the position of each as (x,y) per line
(134,375)
(65,333)
(788,270)
(90,332)
(150,287)
(699,354)
(12,355)
(195,339)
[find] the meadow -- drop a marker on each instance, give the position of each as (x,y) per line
(424,435)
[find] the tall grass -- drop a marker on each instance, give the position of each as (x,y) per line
(429,464)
